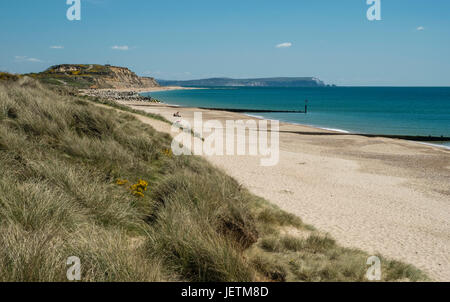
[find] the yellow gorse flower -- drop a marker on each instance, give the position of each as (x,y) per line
(137,189)
(167,152)
(121,182)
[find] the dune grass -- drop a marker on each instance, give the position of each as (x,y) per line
(67,166)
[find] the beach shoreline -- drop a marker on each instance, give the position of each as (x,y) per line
(428,141)
(382,195)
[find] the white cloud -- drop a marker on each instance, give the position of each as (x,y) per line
(117,47)
(420,28)
(27,59)
(57,47)
(33,60)
(284,45)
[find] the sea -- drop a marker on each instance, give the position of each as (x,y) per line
(412,111)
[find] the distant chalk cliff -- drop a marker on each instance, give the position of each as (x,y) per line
(261,82)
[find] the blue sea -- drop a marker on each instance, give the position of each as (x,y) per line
(367,110)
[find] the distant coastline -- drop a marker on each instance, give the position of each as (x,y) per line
(252,82)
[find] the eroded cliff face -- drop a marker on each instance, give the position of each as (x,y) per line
(95,76)
(124,78)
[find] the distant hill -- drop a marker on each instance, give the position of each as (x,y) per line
(93,76)
(262,82)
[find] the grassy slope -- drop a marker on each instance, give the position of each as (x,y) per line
(60,158)
(84,79)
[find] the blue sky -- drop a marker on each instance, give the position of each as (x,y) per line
(187,39)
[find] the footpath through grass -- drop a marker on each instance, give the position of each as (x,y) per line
(80,180)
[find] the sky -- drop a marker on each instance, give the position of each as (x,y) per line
(191,39)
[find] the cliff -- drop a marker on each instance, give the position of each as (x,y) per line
(94,76)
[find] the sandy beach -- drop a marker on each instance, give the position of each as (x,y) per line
(381,195)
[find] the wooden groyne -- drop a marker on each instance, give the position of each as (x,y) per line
(253,110)
(418,138)
(235,110)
